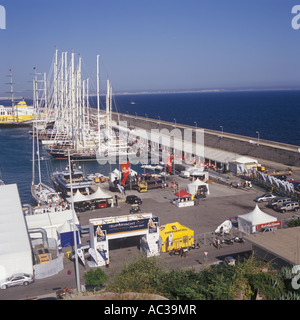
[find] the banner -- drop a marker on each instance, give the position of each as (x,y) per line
(81,255)
(103,230)
(93,254)
(102,253)
(270,225)
(169,163)
(125,170)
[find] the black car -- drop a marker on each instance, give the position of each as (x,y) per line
(133,200)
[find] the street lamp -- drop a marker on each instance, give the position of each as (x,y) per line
(257,137)
(195,124)
(222,131)
(175,122)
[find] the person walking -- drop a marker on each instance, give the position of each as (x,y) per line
(181,252)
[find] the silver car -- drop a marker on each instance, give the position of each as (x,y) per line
(265,197)
(19,279)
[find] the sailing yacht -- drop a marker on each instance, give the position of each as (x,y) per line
(115,146)
(87,134)
(41,193)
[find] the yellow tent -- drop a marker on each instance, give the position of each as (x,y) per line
(175,235)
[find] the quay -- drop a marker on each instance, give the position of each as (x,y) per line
(223,203)
(263,150)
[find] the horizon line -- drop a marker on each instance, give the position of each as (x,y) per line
(174,91)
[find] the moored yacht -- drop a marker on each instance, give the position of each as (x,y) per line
(62,183)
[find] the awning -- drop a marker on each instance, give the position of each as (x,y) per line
(182,193)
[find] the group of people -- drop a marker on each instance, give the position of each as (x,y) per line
(183,252)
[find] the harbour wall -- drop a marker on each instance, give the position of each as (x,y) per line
(286,154)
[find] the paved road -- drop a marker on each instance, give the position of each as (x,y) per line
(222,203)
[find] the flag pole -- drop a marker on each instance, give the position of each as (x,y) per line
(74,228)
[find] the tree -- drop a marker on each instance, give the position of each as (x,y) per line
(95,278)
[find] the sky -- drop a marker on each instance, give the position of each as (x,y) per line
(155,44)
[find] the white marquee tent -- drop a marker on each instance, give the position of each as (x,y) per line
(247,222)
(15,249)
(78,197)
(99,194)
(193,186)
(51,222)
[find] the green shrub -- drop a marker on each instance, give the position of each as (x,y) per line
(294,223)
(142,275)
(95,278)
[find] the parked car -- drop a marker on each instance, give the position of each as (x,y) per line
(289,206)
(265,229)
(135,208)
(18,279)
(278,202)
(230,261)
(265,197)
(133,200)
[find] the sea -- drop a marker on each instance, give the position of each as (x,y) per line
(275,114)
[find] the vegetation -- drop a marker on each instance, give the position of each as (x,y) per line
(294,223)
(95,278)
(243,281)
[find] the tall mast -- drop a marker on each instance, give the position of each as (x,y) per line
(87,104)
(33,129)
(55,80)
(45,93)
(73,102)
(98,97)
(83,112)
(108,109)
(12,96)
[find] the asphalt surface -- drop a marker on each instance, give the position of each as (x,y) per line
(222,203)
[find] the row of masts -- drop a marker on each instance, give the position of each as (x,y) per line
(64,101)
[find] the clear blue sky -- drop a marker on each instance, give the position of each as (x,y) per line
(156,44)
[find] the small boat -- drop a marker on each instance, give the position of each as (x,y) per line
(148,167)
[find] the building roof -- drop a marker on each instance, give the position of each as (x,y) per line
(282,243)
(15,248)
(13,232)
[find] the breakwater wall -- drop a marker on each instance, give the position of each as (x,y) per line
(262,149)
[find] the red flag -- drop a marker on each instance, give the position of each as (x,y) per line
(169,163)
(125,171)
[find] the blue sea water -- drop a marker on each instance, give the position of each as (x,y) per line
(275,114)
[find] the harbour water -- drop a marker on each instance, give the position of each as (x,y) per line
(275,114)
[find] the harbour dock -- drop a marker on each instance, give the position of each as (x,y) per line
(264,150)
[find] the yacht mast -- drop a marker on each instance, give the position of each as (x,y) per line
(33,130)
(12,96)
(98,97)
(108,110)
